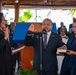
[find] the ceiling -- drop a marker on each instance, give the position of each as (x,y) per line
(41,2)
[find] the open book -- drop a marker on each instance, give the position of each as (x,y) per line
(62,50)
(17,50)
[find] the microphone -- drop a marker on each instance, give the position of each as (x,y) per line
(44,31)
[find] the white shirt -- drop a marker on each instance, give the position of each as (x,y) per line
(48,36)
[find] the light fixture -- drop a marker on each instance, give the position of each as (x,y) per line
(50,2)
(45,1)
(16,1)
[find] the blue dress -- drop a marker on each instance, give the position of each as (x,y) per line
(69,62)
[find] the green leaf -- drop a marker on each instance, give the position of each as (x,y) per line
(27,72)
(26,16)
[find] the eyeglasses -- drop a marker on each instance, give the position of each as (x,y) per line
(3,19)
(62,31)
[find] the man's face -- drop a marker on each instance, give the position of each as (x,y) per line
(47,25)
(74,27)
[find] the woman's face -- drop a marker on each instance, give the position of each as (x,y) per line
(74,27)
(3,22)
(63,32)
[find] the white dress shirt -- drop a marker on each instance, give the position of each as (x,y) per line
(48,36)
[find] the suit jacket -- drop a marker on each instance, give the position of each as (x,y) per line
(49,59)
(13,45)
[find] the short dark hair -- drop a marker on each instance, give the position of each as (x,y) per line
(47,19)
(62,29)
(1,15)
(74,20)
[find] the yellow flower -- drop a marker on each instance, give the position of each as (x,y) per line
(31,62)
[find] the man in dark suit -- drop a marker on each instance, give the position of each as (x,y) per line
(45,60)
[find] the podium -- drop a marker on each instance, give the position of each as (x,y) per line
(27,53)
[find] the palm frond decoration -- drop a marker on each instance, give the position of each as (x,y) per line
(73,12)
(26,16)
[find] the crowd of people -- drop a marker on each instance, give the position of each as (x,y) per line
(46,63)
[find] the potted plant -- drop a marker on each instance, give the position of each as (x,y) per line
(27,72)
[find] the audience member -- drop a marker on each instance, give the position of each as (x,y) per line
(61,56)
(15,57)
(63,35)
(62,27)
(70,28)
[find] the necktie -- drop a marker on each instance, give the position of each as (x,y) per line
(45,40)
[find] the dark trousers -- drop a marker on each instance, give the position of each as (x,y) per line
(14,58)
(70,71)
(43,72)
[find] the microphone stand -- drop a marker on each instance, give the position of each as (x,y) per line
(41,68)
(41,39)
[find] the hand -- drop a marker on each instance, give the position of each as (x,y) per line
(63,47)
(70,52)
(31,28)
(6,32)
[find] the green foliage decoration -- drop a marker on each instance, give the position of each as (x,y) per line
(27,72)
(26,16)
(73,12)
